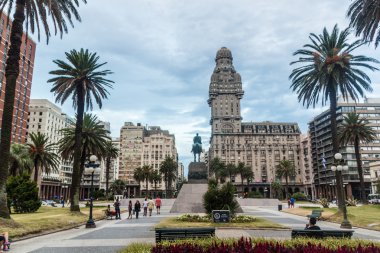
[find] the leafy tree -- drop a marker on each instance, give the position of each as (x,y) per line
(112,152)
(364,18)
(220,198)
(35,14)
(146,174)
(23,194)
(117,187)
(285,169)
(20,161)
(138,176)
(356,130)
(168,169)
(329,67)
(155,178)
(276,188)
(43,155)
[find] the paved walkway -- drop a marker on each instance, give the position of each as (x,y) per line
(108,236)
(112,235)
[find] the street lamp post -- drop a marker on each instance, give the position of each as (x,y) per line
(338,166)
(91,168)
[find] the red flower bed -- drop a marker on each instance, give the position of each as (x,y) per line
(246,246)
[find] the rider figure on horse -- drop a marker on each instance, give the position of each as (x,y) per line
(197,147)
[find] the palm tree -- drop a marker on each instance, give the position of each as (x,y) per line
(94,140)
(276,189)
(217,168)
(231,170)
(155,178)
(80,79)
(168,169)
(43,155)
(285,169)
(19,160)
(328,67)
(364,18)
(245,172)
(35,13)
(118,187)
(112,152)
(146,174)
(138,176)
(356,130)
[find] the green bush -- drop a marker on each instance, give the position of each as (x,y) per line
(243,219)
(194,218)
(220,198)
(255,195)
(22,194)
(299,196)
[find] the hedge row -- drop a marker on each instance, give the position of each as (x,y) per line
(215,245)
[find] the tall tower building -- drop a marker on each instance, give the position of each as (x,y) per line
(259,145)
(24,81)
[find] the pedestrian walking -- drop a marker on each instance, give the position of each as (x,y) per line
(150,206)
(117,209)
(62,202)
(288,203)
(292,200)
(137,208)
(130,210)
(145,206)
(158,204)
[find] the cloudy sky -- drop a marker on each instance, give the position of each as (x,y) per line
(162,55)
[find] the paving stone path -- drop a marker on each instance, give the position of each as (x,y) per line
(113,235)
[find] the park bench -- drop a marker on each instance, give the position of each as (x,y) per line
(109,214)
(322,233)
(316,213)
(171,234)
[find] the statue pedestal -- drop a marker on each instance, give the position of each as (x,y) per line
(198,173)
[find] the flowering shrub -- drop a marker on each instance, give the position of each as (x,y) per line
(193,218)
(243,219)
(247,246)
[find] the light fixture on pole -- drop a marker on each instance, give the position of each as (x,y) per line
(337,167)
(90,169)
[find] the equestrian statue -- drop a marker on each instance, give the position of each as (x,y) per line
(197,147)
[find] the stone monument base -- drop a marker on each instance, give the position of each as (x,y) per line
(198,173)
(190,199)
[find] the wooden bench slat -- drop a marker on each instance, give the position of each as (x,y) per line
(182,233)
(322,233)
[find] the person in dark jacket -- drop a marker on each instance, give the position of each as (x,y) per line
(117,209)
(137,208)
(311,225)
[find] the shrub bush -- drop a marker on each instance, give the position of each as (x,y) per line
(243,219)
(22,194)
(255,195)
(351,202)
(324,202)
(220,198)
(299,196)
(194,218)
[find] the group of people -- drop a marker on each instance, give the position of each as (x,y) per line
(291,202)
(147,205)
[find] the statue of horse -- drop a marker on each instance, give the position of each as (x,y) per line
(197,147)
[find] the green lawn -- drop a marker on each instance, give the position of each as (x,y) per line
(258,223)
(366,216)
(47,219)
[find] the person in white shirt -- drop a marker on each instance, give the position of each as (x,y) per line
(145,206)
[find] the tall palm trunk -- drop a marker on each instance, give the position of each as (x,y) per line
(108,165)
(287,186)
(335,144)
(12,71)
(146,186)
(360,170)
(75,185)
(242,183)
(35,176)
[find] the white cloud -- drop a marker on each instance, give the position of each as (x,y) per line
(162,53)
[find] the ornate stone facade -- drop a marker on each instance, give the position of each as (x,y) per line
(260,145)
